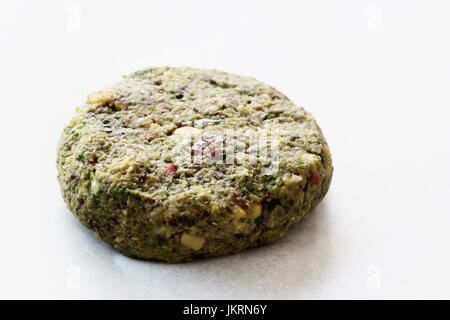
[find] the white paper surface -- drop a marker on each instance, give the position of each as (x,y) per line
(375,74)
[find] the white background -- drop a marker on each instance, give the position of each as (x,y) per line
(376,75)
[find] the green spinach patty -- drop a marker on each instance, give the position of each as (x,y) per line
(168,164)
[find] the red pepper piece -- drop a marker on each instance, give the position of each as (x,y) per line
(171,169)
(315,179)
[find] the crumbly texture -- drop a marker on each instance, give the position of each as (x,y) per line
(121,175)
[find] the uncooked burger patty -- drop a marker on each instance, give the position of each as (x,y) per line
(178,163)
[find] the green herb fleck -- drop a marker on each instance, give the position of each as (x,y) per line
(167,159)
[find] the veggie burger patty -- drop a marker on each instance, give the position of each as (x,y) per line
(178,163)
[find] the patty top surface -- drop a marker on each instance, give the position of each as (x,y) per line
(132,136)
